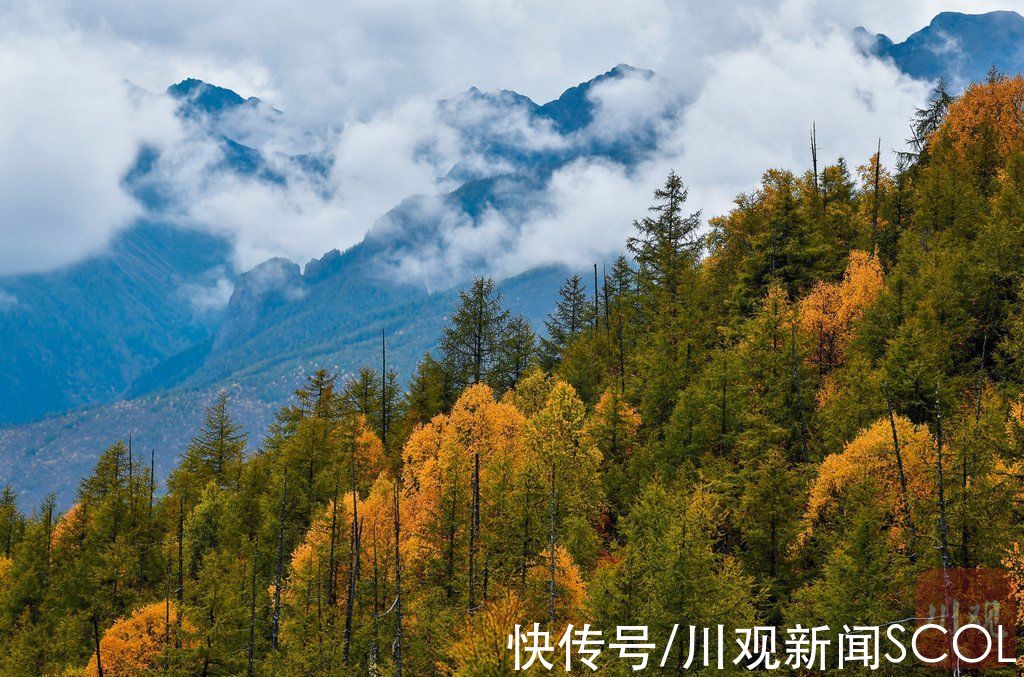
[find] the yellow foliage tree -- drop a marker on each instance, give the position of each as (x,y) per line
(827,315)
(132,646)
(5,570)
(69,527)
(991,110)
(871,457)
(481,645)
(612,427)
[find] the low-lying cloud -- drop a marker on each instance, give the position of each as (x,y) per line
(70,128)
(357,84)
(754,112)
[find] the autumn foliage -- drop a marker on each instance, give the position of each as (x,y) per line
(990,112)
(871,458)
(784,418)
(829,313)
(133,645)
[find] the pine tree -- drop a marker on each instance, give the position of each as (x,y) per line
(470,344)
(515,354)
(431,390)
(928,119)
(620,281)
(573,313)
(667,250)
(12,522)
(667,246)
(216,452)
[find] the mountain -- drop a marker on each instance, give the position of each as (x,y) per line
(81,335)
(959,47)
(139,338)
(199,97)
(149,357)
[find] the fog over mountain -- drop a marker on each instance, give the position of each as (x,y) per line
(239,239)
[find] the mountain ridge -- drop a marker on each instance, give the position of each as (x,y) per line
(147,359)
(958,46)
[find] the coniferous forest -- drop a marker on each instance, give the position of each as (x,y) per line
(784,417)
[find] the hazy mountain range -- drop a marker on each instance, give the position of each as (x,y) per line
(959,47)
(138,339)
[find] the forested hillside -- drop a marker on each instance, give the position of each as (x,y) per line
(783,419)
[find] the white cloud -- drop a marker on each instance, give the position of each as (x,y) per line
(357,81)
(69,130)
(211,295)
(754,112)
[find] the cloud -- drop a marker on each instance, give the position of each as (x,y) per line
(210,295)
(357,82)
(69,130)
(753,112)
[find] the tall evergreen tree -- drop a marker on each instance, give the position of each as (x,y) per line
(471,342)
(930,117)
(573,313)
(667,245)
(431,390)
(216,452)
(515,354)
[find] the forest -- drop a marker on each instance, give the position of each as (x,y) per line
(785,416)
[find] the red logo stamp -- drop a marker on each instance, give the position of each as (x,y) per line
(965,619)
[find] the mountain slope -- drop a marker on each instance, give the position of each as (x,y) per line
(82,334)
(51,454)
(960,47)
(125,336)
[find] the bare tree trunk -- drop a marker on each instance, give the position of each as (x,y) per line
(398,584)
(376,603)
(131,483)
(280,563)
(96,637)
(875,196)
(799,398)
(181,570)
(551,543)
(450,554)
(604,289)
(725,382)
(331,568)
(167,605)
(904,495)
(943,524)
(474,525)
(622,359)
(526,536)
(814,156)
(943,529)
(251,650)
(353,561)
(965,475)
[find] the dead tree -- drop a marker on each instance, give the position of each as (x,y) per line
(904,495)
(181,570)
(551,545)
(251,649)
(96,637)
(474,525)
(875,200)
(275,634)
(814,157)
(331,567)
(398,583)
